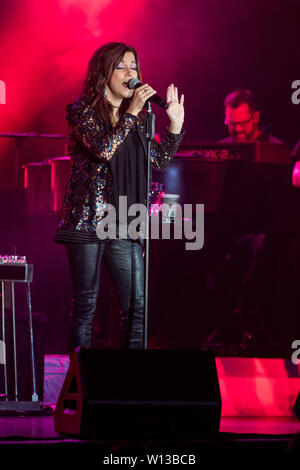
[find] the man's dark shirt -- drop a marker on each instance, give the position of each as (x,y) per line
(263,137)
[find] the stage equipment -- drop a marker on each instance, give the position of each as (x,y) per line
(37,185)
(243,151)
(60,172)
(150,132)
(249,204)
(16,269)
(296,406)
(140,394)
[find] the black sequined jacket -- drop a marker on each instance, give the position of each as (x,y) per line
(91,147)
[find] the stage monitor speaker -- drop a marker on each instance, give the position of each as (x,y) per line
(296,406)
(140,394)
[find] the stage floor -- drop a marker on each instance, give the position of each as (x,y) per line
(42,427)
(27,436)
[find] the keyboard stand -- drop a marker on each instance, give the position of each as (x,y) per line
(11,273)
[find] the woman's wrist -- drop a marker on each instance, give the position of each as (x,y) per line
(132,111)
(175,128)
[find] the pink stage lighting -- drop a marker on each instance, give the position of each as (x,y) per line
(2,92)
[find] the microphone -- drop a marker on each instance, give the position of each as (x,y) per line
(134,83)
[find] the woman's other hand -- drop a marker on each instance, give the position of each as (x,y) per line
(175,110)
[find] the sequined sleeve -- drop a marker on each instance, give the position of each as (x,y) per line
(88,130)
(162,153)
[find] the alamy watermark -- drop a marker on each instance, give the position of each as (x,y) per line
(188,223)
(296,94)
(296,354)
(2,353)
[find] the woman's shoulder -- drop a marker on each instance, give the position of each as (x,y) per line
(80,107)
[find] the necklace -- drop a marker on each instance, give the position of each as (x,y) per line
(112,105)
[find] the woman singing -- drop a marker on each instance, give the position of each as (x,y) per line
(107,147)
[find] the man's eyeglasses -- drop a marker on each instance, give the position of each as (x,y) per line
(239,123)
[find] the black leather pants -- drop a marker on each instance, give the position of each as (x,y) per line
(124,260)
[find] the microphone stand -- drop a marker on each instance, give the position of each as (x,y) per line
(150,130)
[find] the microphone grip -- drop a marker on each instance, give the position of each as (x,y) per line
(134,84)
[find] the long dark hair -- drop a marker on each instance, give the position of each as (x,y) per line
(100,69)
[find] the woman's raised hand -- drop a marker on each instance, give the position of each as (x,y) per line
(175,110)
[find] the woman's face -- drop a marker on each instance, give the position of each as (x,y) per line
(124,71)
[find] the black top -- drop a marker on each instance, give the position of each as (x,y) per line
(128,171)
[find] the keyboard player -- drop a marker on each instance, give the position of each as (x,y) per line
(242,263)
(242,118)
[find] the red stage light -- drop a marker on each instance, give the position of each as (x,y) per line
(2,92)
